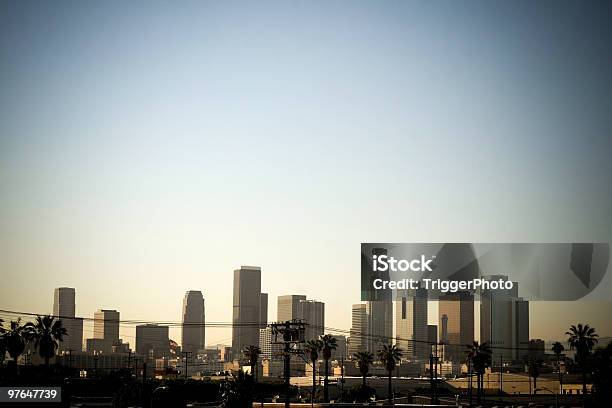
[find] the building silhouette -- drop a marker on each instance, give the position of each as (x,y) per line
(312,312)
(152,340)
(64,308)
(193,330)
(456,322)
(411,324)
(504,322)
(379,310)
(247,316)
(106,332)
(358,340)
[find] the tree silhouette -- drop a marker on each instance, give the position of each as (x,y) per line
(479,356)
(534,371)
(558,349)
(15,339)
(252,355)
(313,347)
(582,339)
(390,355)
(328,343)
(47,333)
(364,359)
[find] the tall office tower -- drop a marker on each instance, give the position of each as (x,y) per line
(380,313)
(313,314)
(421,348)
(193,330)
(341,351)
(504,322)
(432,334)
(404,328)
(358,340)
(247,308)
(411,324)
(265,343)
(152,340)
(459,310)
(269,351)
(288,307)
(444,329)
(497,319)
(64,306)
(298,307)
(263,310)
(521,330)
(106,330)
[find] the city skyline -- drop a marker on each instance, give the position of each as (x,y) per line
(147,153)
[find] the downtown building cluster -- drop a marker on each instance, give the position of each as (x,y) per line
(504,324)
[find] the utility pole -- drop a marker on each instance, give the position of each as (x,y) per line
(501,371)
(186,355)
(70,357)
(291,333)
(433,372)
(342,379)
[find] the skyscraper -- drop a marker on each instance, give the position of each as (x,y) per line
(456,322)
(193,330)
(263,310)
(358,340)
(311,312)
(152,340)
(64,307)
(247,301)
(502,321)
(411,323)
(379,311)
(288,307)
(106,331)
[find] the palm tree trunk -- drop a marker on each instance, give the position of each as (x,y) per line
(314,381)
(390,390)
(325,382)
(364,380)
(478,377)
(584,387)
(470,381)
(560,378)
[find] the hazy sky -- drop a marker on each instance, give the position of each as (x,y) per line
(148,148)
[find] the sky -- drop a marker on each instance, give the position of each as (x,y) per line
(150,148)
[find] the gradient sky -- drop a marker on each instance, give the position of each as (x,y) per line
(148,148)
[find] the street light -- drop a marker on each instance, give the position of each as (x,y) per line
(552,392)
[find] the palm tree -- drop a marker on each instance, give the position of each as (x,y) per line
(312,348)
(328,343)
(47,332)
(364,359)
(558,349)
(582,339)
(479,356)
(390,355)
(15,339)
(252,355)
(534,371)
